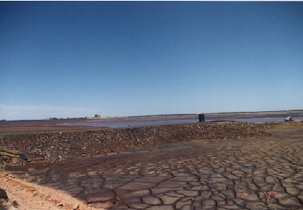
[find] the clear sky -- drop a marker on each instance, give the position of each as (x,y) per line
(136,58)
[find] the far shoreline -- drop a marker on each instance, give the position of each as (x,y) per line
(219,116)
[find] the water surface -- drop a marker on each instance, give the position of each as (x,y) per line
(133,123)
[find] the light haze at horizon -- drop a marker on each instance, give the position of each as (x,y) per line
(70,59)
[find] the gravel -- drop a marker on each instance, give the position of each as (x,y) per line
(58,146)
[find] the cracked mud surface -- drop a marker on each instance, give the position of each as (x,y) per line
(256,173)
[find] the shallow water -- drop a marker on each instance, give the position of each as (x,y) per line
(265,119)
(125,124)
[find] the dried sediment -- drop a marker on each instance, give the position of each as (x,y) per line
(256,173)
(58,146)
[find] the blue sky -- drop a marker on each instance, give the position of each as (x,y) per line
(135,58)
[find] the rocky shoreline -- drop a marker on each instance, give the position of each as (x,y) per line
(59,146)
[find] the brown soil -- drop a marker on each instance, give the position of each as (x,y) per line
(29,196)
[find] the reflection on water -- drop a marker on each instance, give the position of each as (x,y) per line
(125,124)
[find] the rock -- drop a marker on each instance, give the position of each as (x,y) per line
(15,204)
(3,194)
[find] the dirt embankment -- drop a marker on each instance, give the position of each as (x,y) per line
(22,195)
(58,146)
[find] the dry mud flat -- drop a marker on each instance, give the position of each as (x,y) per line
(261,172)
